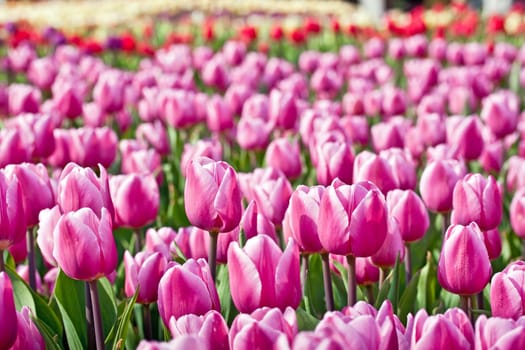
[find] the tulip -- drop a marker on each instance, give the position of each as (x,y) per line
(498,333)
(392,248)
(476,199)
(155,135)
(284,154)
(272,197)
(211,327)
(437,331)
(7,313)
(334,160)
(47,221)
(219,117)
(371,167)
(187,289)
(108,92)
(403,167)
(29,337)
(91,146)
(283,111)
(507,292)
(500,112)
(42,72)
(464,264)
(144,272)
(254,223)
(262,275)
(13,148)
(160,241)
(464,133)
(37,133)
(23,99)
(79,188)
(215,74)
(517,213)
(68,99)
(181,343)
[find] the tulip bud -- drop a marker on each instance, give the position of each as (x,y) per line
(7,313)
(498,333)
(254,223)
(334,160)
(144,272)
(392,248)
(284,154)
(47,221)
(13,221)
(29,337)
(154,134)
(437,184)
(410,213)
(507,294)
(464,133)
(211,327)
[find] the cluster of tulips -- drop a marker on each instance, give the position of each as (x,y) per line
(202,200)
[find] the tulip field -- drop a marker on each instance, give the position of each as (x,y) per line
(291,182)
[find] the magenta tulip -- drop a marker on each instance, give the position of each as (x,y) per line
(410,213)
(29,337)
(437,184)
(13,220)
(371,167)
(464,134)
(47,221)
(272,197)
(181,343)
(154,134)
(161,241)
(284,154)
(211,327)
(253,223)
(334,160)
(507,291)
(23,99)
(143,272)
(108,92)
(499,333)
(393,247)
(7,312)
(437,331)
(517,213)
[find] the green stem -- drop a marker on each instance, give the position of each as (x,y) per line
(89,318)
(466,306)
(212,254)
(370,293)
(327,283)
(148,333)
(352,285)
(31,257)
(408,265)
(97,317)
(304,271)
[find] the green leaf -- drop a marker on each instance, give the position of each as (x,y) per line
(427,286)
(223,290)
(108,305)
(314,286)
(383,292)
(70,297)
(305,321)
(53,342)
(118,333)
(393,295)
(406,303)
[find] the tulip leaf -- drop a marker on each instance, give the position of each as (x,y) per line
(70,297)
(108,305)
(382,295)
(406,303)
(393,295)
(228,309)
(305,321)
(117,335)
(52,340)
(314,286)
(25,296)
(427,285)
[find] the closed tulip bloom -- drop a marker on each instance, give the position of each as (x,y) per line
(33,178)
(219,117)
(388,135)
(187,289)
(499,333)
(366,273)
(143,272)
(477,199)
(12,215)
(79,188)
(517,213)
(181,343)
(464,265)
(262,275)
(371,167)
(42,72)
(437,184)
(264,328)
(81,236)
(212,195)
(13,148)
(410,213)
(29,337)
(507,292)
(253,223)
(136,199)
(36,131)
(437,332)
(47,221)
(432,128)
(300,221)
(464,133)
(68,99)
(348,214)
(500,112)
(108,92)
(334,160)
(214,73)
(360,332)
(194,242)
(284,154)
(210,148)
(272,197)
(211,327)
(283,111)
(154,134)
(403,167)
(7,313)
(493,243)
(91,146)
(253,133)
(23,99)
(160,240)
(392,248)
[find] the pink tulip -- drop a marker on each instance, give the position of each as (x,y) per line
(356,129)
(136,199)
(29,337)
(181,343)
(108,92)
(187,289)
(262,275)
(437,184)
(432,128)
(20,57)
(13,219)
(284,154)
(219,117)
(81,236)
(345,220)
(19,251)
(79,188)
(160,240)
(143,272)
(392,248)
(142,161)
(464,265)
(326,82)
(272,197)
(500,112)
(334,160)
(283,111)
(492,157)
(254,223)
(477,199)
(47,221)
(42,72)
(7,313)
(498,333)
(211,327)
(33,178)
(517,213)
(193,242)
(388,135)
(23,99)
(410,213)
(68,99)
(212,195)
(154,134)
(361,332)
(91,146)
(215,74)
(371,167)
(366,273)
(300,221)
(403,167)
(211,148)
(464,134)
(60,155)
(507,293)
(36,131)
(437,49)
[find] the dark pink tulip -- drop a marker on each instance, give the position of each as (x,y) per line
(210,148)
(312,341)
(516,167)
(507,291)
(392,248)
(371,167)
(7,313)
(234,52)
(264,327)
(215,73)
(81,236)
(334,160)
(517,213)
(178,109)
(181,343)
(492,157)
(42,72)
(366,273)
(432,128)
(500,112)
(29,337)
(372,102)
(248,181)
(437,184)
(13,149)
(256,106)
(91,146)
(464,134)
(374,48)
(353,104)
(144,272)
(464,265)
(309,61)
(236,96)
(161,241)
(262,275)
(300,221)
(48,219)
(272,198)
(477,199)
(136,199)
(19,251)
(394,102)
(410,212)
(13,221)
(492,240)
(253,133)
(79,188)
(437,49)
(93,115)
(36,131)
(356,129)
(187,289)
(201,55)
(211,327)
(498,333)
(388,135)
(33,178)
(219,116)
(360,332)
(284,154)
(23,99)
(108,92)
(60,155)
(68,99)
(403,167)
(326,82)
(346,220)
(396,48)
(212,195)
(283,111)
(254,223)
(154,134)
(276,69)
(474,53)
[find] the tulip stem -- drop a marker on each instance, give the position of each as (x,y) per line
(138,241)
(89,318)
(304,271)
(466,306)
(212,253)
(2,263)
(480,300)
(381,277)
(445,222)
(327,282)
(352,286)
(408,265)
(370,294)
(97,317)
(148,333)
(31,257)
